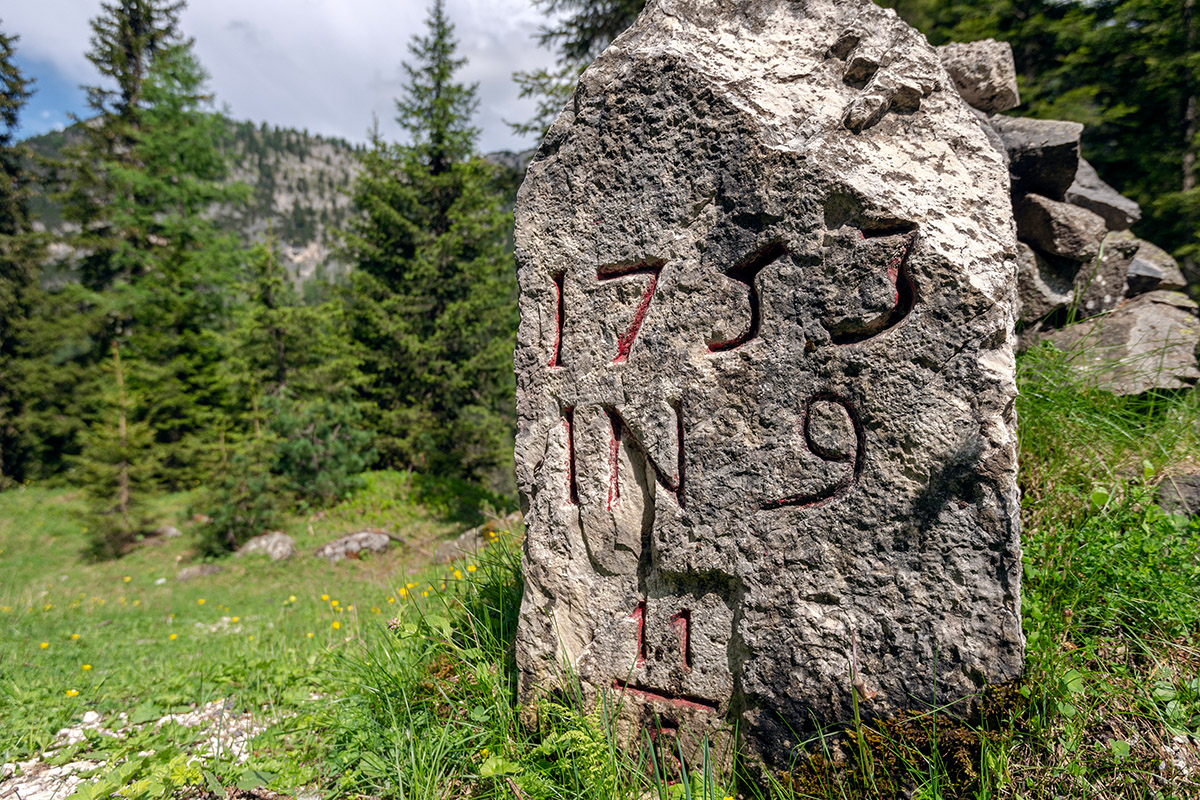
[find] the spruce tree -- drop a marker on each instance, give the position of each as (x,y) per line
(20,255)
(433,296)
(115,468)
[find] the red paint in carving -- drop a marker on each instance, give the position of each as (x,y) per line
(614,456)
(678,700)
(639,614)
(560,314)
(569,426)
(746,271)
(857,461)
(672,483)
(683,622)
(653,268)
(906,291)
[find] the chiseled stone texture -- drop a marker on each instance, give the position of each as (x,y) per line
(767,268)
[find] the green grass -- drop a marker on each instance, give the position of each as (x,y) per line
(419,700)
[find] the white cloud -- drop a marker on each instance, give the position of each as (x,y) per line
(325,65)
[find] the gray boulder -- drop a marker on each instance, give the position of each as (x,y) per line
(766,380)
(354,544)
(1044,285)
(1043,154)
(1148,343)
(1090,192)
(1153,268)
(984,73)
(1059,229)
(275,545)
(1101,284)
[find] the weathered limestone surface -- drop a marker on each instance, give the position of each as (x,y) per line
(1059,229)
(984,73)
(1043,153)
(1101,285)
(1154,268)
(1043,288)
(1091,192)
(765,378)
(1148,343)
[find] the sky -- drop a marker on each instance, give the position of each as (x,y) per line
(324,65)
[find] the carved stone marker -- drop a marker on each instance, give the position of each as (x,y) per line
(767,443)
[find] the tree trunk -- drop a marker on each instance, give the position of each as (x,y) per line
(122,443)
(1189,123)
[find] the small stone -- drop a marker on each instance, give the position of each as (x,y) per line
(1043,154)
(1148,343)
(1059,229)
(1044,284)
(1101,285)
(1090,192)
(1153,268)
(372,540)
(276,545)
(984,73)
(168,532)
(197,571)
(1179,491)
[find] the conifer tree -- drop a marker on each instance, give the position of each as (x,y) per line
(160,286)
(433,297)
(20,254)
(116,468)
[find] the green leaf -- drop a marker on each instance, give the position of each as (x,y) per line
(213,783)
(438,624)
(253,779)
(497,766)
(1163,692)
(92,791)
(144,712)
(1073,682)
(1148,471)
(1119,747)
(1099,497)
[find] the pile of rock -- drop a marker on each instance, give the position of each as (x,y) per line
(1086,283)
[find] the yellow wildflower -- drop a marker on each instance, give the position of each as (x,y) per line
(200,602)
(336,624)
(126,579)
(391,599)
(44,645)
(74,637)
(137,602)
(235,619)
(47,607)
(86,667)
(471,568)
(350,607)
(458,575)
(291,598)
(173,637)
(250,637)
(324,598)
(72,693)
(333,603)
(374,609)
(309,635)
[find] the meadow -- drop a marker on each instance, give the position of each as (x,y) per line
(391,677)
